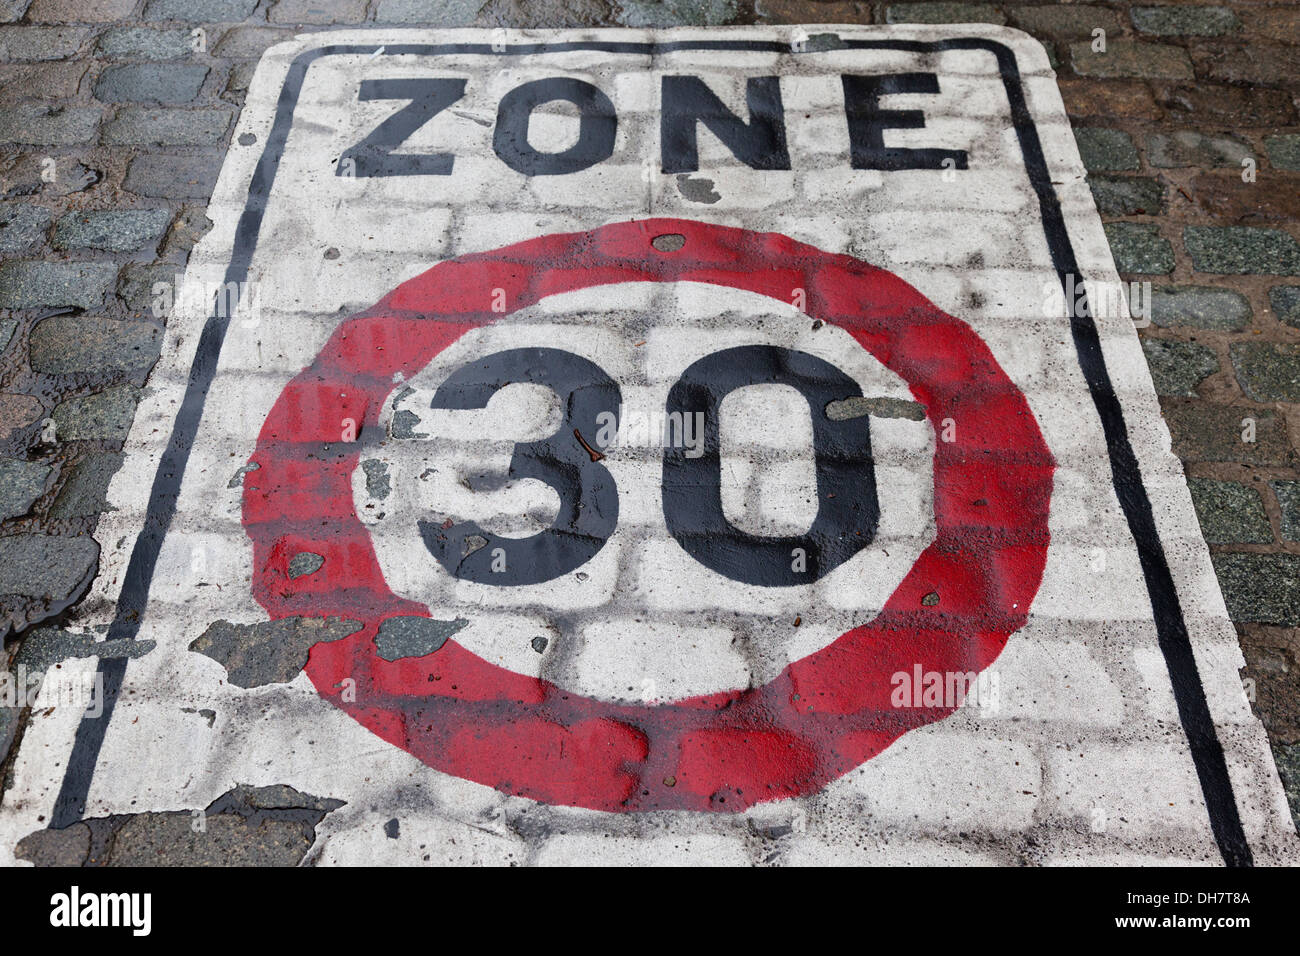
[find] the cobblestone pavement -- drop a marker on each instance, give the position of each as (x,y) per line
(115,116)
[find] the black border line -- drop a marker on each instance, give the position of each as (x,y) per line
(1175,644)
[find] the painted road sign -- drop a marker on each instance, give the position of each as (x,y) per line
(726,446)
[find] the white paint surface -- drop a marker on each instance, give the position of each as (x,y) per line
(1085,730)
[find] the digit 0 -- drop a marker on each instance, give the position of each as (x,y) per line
(848,510)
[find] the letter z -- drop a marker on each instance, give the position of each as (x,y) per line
(374,155)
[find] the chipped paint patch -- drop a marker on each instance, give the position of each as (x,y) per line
(246,826)
(378,483)
(270,652)
(401,637)
(304,563)
(237,480)
(697,189)
(858,407)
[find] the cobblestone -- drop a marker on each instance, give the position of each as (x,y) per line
(1126,195)
(1264,64)
(1242,250)
(1284,151)
(1200,307)
(1220,433)
(46,566)
(454,13)
(944,13)
(1233,105)
(1178,367)
(126,230)
(1106,149)
(68,345)
(1271,22)
(145,42)
(1264,588)
(1073,22)
(141,126)
(1127,58)
(79,11)
(40,43)
(23,82)
(21,483)
(1287,757)
(29,285)
(36,174)
(1114,99)
(103,416)
(1226,198)
(17,412)
(812,11)
(166,83)
(1285,300)
(632,13)
(1184,20)
(201,11)
(1190,148)
(48,125)
(173,177)
(317,11)
(1267,371)
(251,41)
(22,226)
(189,228)
(1288,501)
(1230,512)
(85,492)
(1139,248)
(136,283)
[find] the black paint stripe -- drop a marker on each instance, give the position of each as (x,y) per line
(1175,644)
(1171,629)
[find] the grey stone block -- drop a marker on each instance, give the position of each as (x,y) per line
(22,226)
(173,177)
(104,416)
(46,566)
(115,230)
(150,83)
(30,285)
(21,483)
(141,126)
(71,344)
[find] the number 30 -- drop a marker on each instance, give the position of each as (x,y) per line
(848,509)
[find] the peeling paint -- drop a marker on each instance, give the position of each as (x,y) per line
(209,715)
(823,42)
(304,563)
(697,190)
(401,637)
(404,423)
(858,406)
(378,483)
(46,646)
(246,826)
(237,480)
(270,652)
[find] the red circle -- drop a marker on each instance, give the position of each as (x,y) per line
(824,714)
